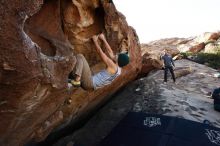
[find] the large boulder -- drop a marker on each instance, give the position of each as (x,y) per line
(198,43)
(211,36)
(193,45)
(151,53)
(197,48)
(214,36)
(38,41)
(207,36)
(31,81)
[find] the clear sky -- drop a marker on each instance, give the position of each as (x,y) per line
(156,19)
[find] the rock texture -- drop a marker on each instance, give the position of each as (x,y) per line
(201,43)
(38,41)
(188,99)
(32,80)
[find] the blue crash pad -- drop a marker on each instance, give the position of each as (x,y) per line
(141,129)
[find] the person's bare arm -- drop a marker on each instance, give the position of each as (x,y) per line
(107,46)
(103,56)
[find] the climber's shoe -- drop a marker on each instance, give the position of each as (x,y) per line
(75,83)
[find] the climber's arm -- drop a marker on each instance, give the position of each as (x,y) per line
(107,46)
(103,56)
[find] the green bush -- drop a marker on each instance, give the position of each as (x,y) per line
(213,60)
(186,54)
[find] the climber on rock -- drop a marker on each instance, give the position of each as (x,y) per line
(168,65)
(82,73)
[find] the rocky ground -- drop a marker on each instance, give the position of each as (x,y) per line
(187,99)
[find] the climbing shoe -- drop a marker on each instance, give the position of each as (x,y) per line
(76,83)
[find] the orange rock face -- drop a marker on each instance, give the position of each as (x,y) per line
(197,48)
(38,43)
(214,36)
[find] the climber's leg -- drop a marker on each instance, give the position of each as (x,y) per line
(82,73)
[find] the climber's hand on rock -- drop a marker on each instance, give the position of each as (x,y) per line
(102,36)
(95,38)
